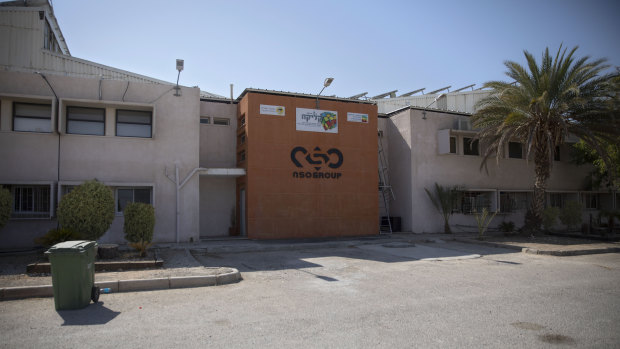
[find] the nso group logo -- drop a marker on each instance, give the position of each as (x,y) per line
(317,164)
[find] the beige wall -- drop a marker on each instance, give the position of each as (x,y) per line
(414,144)
(116,161)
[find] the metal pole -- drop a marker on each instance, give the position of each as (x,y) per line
(176,178)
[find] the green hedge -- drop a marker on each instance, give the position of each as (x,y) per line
(6,203)
(139,225)
(87,210)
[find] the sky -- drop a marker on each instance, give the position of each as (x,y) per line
(366,46)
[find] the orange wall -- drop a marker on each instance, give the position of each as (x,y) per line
(282,206)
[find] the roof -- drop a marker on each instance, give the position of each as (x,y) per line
(396,111)
(303,95)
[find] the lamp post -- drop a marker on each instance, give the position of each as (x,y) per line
(326,83)
(435,100)
(179,68)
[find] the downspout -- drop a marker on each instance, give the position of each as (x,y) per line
(57,129)
(179,185)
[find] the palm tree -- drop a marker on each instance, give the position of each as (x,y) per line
(543,106)
(443,199)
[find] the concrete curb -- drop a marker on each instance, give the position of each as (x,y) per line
(9,293)
(559,253)
(283,247)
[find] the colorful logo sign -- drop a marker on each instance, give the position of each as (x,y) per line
(272,110)
(357,117)
(331,159)
(315,120)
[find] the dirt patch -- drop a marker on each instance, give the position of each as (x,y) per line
(553,338)
(528,326)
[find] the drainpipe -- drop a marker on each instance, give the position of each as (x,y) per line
(179,185)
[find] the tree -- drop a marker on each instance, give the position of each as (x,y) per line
(544,105)
(443,198)
(602,175)
(139,225)
(6,202)
(88,210)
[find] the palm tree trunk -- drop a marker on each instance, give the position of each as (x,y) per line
(542,170)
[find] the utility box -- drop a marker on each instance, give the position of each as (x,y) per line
(73,274)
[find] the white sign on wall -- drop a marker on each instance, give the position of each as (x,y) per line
(315,120)
(272,110)
(357,117)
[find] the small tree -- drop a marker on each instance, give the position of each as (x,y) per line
(139,225)
(570,215)
(6,202)
(88,210)
(483,220)
(443,198)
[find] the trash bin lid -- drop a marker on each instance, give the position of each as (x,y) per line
(76,246)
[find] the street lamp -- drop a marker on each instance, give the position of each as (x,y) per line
(326,83)
(179,68)
(435,100)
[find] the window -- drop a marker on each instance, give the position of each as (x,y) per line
(590,201)
(221,121)
(127,195)
(32,117)
(514,201)
(32,201)
(470,146)
(241,156)
(556,200)
(474,201)
(242,120)
(49,39)
(242,138)
(515,150)
(205,120)
(452,145)
(86,121)
(134,123)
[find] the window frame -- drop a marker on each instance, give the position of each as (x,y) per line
(519,154)
(225,120)
(588,199)
(35,197)
(207,119)
(133,197)
(455,143)
(467,147)
(14,116)
(116,122)
(67,119)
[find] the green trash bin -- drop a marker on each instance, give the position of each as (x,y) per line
(73,274)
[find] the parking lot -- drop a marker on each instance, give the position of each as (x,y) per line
(390,294)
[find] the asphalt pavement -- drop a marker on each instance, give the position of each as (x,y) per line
(371,295)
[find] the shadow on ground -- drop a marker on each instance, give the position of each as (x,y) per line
(93,314)
(387,252)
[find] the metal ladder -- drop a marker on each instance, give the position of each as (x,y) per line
(385,191)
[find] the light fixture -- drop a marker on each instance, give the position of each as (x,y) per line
(180,64)
(435,100)
(327,82)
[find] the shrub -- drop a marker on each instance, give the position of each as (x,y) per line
(570,215)
(507,227)
(139,225)
(55,236)
(550,217)
(6,203)
(483,220)
(88,209)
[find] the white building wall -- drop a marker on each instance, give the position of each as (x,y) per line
(428,167)
(116,161)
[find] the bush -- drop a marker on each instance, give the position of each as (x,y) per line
(88,209)
(6,203)
(55,236)
(570,215)
(531,223)
(139,225)
(507,227)
(550,217)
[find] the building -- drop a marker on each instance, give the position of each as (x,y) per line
(428,146)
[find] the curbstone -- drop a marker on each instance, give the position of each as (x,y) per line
(143,285)
(27,292)
(192,281)
(228,278)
